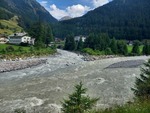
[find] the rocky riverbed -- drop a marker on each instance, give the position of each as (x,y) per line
(18,65)
(41,88)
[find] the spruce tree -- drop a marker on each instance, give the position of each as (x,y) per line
(78,102)
(142,85)
(146,49)
(50,34)
(70,43)
(122,47)
(136,49)
(113,46)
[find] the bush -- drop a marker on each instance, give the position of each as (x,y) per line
(92,52)
(10,49)
(20,49)
(108,51)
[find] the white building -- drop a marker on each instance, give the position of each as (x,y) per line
(77,38)
(19,38)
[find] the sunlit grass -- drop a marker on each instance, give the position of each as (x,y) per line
(130,48)
(137,107)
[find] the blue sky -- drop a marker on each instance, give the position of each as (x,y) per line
(72,8)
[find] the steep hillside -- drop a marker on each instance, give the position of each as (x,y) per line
(28,11)
(122,19)
(10,26)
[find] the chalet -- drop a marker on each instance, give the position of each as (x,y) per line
(19,38)
(77,38)
(3,39)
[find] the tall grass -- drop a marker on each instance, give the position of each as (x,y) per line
(137,107)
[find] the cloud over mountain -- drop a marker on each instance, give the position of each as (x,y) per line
(72,11)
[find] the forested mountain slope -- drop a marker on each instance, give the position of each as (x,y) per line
(28,11)
(122,19)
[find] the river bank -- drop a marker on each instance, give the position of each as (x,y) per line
(18,65)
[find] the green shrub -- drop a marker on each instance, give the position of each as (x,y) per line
(78,102)
(10,49)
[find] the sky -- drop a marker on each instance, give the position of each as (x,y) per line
(72,8)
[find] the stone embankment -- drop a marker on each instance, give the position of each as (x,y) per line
(18,65)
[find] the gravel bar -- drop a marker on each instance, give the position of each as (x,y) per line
(18,65)
(127,64)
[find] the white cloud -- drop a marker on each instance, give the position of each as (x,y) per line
(44,3)
(77,10)
(97,3)
(72,11)
(56,12)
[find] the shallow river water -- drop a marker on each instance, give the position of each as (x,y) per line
(41,89)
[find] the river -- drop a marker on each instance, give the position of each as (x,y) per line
(41,89)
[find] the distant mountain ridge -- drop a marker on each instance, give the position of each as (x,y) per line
(28,11)
(122,19)
(65,18)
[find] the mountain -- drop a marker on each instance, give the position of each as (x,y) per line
(122,19)
(65,18)
(28,11)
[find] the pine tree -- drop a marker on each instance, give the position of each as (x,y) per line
(146,49)
(70,43)
(122,47)
(37,31)
(136,49)
(113,46)
(50,34)
(142,85)
(78,102)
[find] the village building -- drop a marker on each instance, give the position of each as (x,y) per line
(77,38)
(3,39)
(19,38)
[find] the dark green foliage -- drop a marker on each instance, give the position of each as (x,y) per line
(146,48)
(142,85)
(20,49)
(31,49)
(49,36)
(136,49)
(97,42)
(4,14)
(42,33)
(80,45)
(28,12)
(24,44)
(122,19)
(49,33)
(10,49)
(108,51)
(122,47)
(2,26)
(103,43)
(113,46)
(78,102)
(70,43)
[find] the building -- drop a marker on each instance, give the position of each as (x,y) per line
(3,39)
(77,38)
(19,38)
